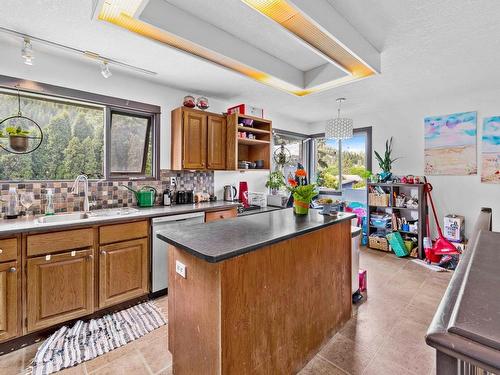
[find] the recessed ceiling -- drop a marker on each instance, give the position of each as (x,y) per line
(238,19)
(428,49)
(235,38)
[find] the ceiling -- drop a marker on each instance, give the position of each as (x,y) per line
(427,48)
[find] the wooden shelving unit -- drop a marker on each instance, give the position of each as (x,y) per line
(418,213)
(248,149)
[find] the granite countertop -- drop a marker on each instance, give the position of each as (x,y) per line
(14,226)
(224,239)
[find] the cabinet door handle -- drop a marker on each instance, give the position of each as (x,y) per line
(12,269)
(1,251)
(103,252)
(221,216)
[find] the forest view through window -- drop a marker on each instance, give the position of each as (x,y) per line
(73,140)
(352,161)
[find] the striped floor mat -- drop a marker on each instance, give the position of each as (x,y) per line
(70,346)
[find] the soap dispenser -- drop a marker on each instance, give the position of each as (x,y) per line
(49,209)
(12,200)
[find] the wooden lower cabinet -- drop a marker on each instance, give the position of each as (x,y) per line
(59,288)
(123,271)
(9,302)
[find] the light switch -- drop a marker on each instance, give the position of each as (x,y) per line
(180,268)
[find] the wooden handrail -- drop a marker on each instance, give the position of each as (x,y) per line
(461,343)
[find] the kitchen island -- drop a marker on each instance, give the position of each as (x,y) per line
(258,294)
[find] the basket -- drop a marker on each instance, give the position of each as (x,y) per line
(381,200)
(379,243)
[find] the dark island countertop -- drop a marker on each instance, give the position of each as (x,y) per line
(224,239)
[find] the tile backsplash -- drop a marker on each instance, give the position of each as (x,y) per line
(105,194)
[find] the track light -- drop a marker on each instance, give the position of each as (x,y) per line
(27,52)
(106,73)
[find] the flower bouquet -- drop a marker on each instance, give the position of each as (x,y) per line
(302,192)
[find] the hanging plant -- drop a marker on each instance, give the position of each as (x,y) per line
(18,138)
(16,130)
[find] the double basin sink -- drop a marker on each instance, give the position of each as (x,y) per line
(62,218)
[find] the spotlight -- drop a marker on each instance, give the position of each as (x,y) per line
(27,52)
(106,73)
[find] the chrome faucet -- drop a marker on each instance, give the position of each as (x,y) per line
(76,190)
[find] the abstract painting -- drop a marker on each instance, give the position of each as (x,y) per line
(490,157)
(450,144)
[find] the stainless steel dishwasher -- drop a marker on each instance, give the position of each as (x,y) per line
(159,263)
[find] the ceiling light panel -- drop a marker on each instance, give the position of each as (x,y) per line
(305,29)
(123,13)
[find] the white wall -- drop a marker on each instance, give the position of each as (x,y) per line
(403,119)
(70,71)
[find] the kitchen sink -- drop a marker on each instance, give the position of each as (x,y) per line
(61,218)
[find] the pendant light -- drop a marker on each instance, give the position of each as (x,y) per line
(339,128)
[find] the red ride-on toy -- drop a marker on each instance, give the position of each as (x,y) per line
(441,246)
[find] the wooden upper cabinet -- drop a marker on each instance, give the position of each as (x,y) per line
(198,140)
(195,140)
(9,300)
(216,142)
(59,288)
(123,271)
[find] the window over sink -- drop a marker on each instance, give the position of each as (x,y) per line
(83,133)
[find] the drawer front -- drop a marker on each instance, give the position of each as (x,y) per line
(8,249)
(47,243)
(220,215)
(123,232)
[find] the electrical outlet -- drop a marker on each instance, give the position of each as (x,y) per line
(180,268)
(173,180)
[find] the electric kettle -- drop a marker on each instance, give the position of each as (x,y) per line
(230,193)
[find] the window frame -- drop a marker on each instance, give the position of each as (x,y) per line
(152,130)
(50,92)
(312,158)
(306,145)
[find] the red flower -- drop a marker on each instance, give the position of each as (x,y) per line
(300,173)
(292,182)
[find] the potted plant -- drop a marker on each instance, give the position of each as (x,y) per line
(385,163)
(302,192)
(275,182)
(18,138)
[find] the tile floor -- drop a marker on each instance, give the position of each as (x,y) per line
(385,335)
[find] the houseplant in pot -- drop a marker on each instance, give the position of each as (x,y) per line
(275,182)
(18,138)
(302,192)
(385,163)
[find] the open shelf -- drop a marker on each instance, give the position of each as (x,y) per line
(409,213)
(253,130)
(250,142)
(248,149)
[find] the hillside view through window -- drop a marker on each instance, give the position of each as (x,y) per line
(74,141)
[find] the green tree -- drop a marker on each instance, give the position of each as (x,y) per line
(59,136)
(79,157)
(82,129)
